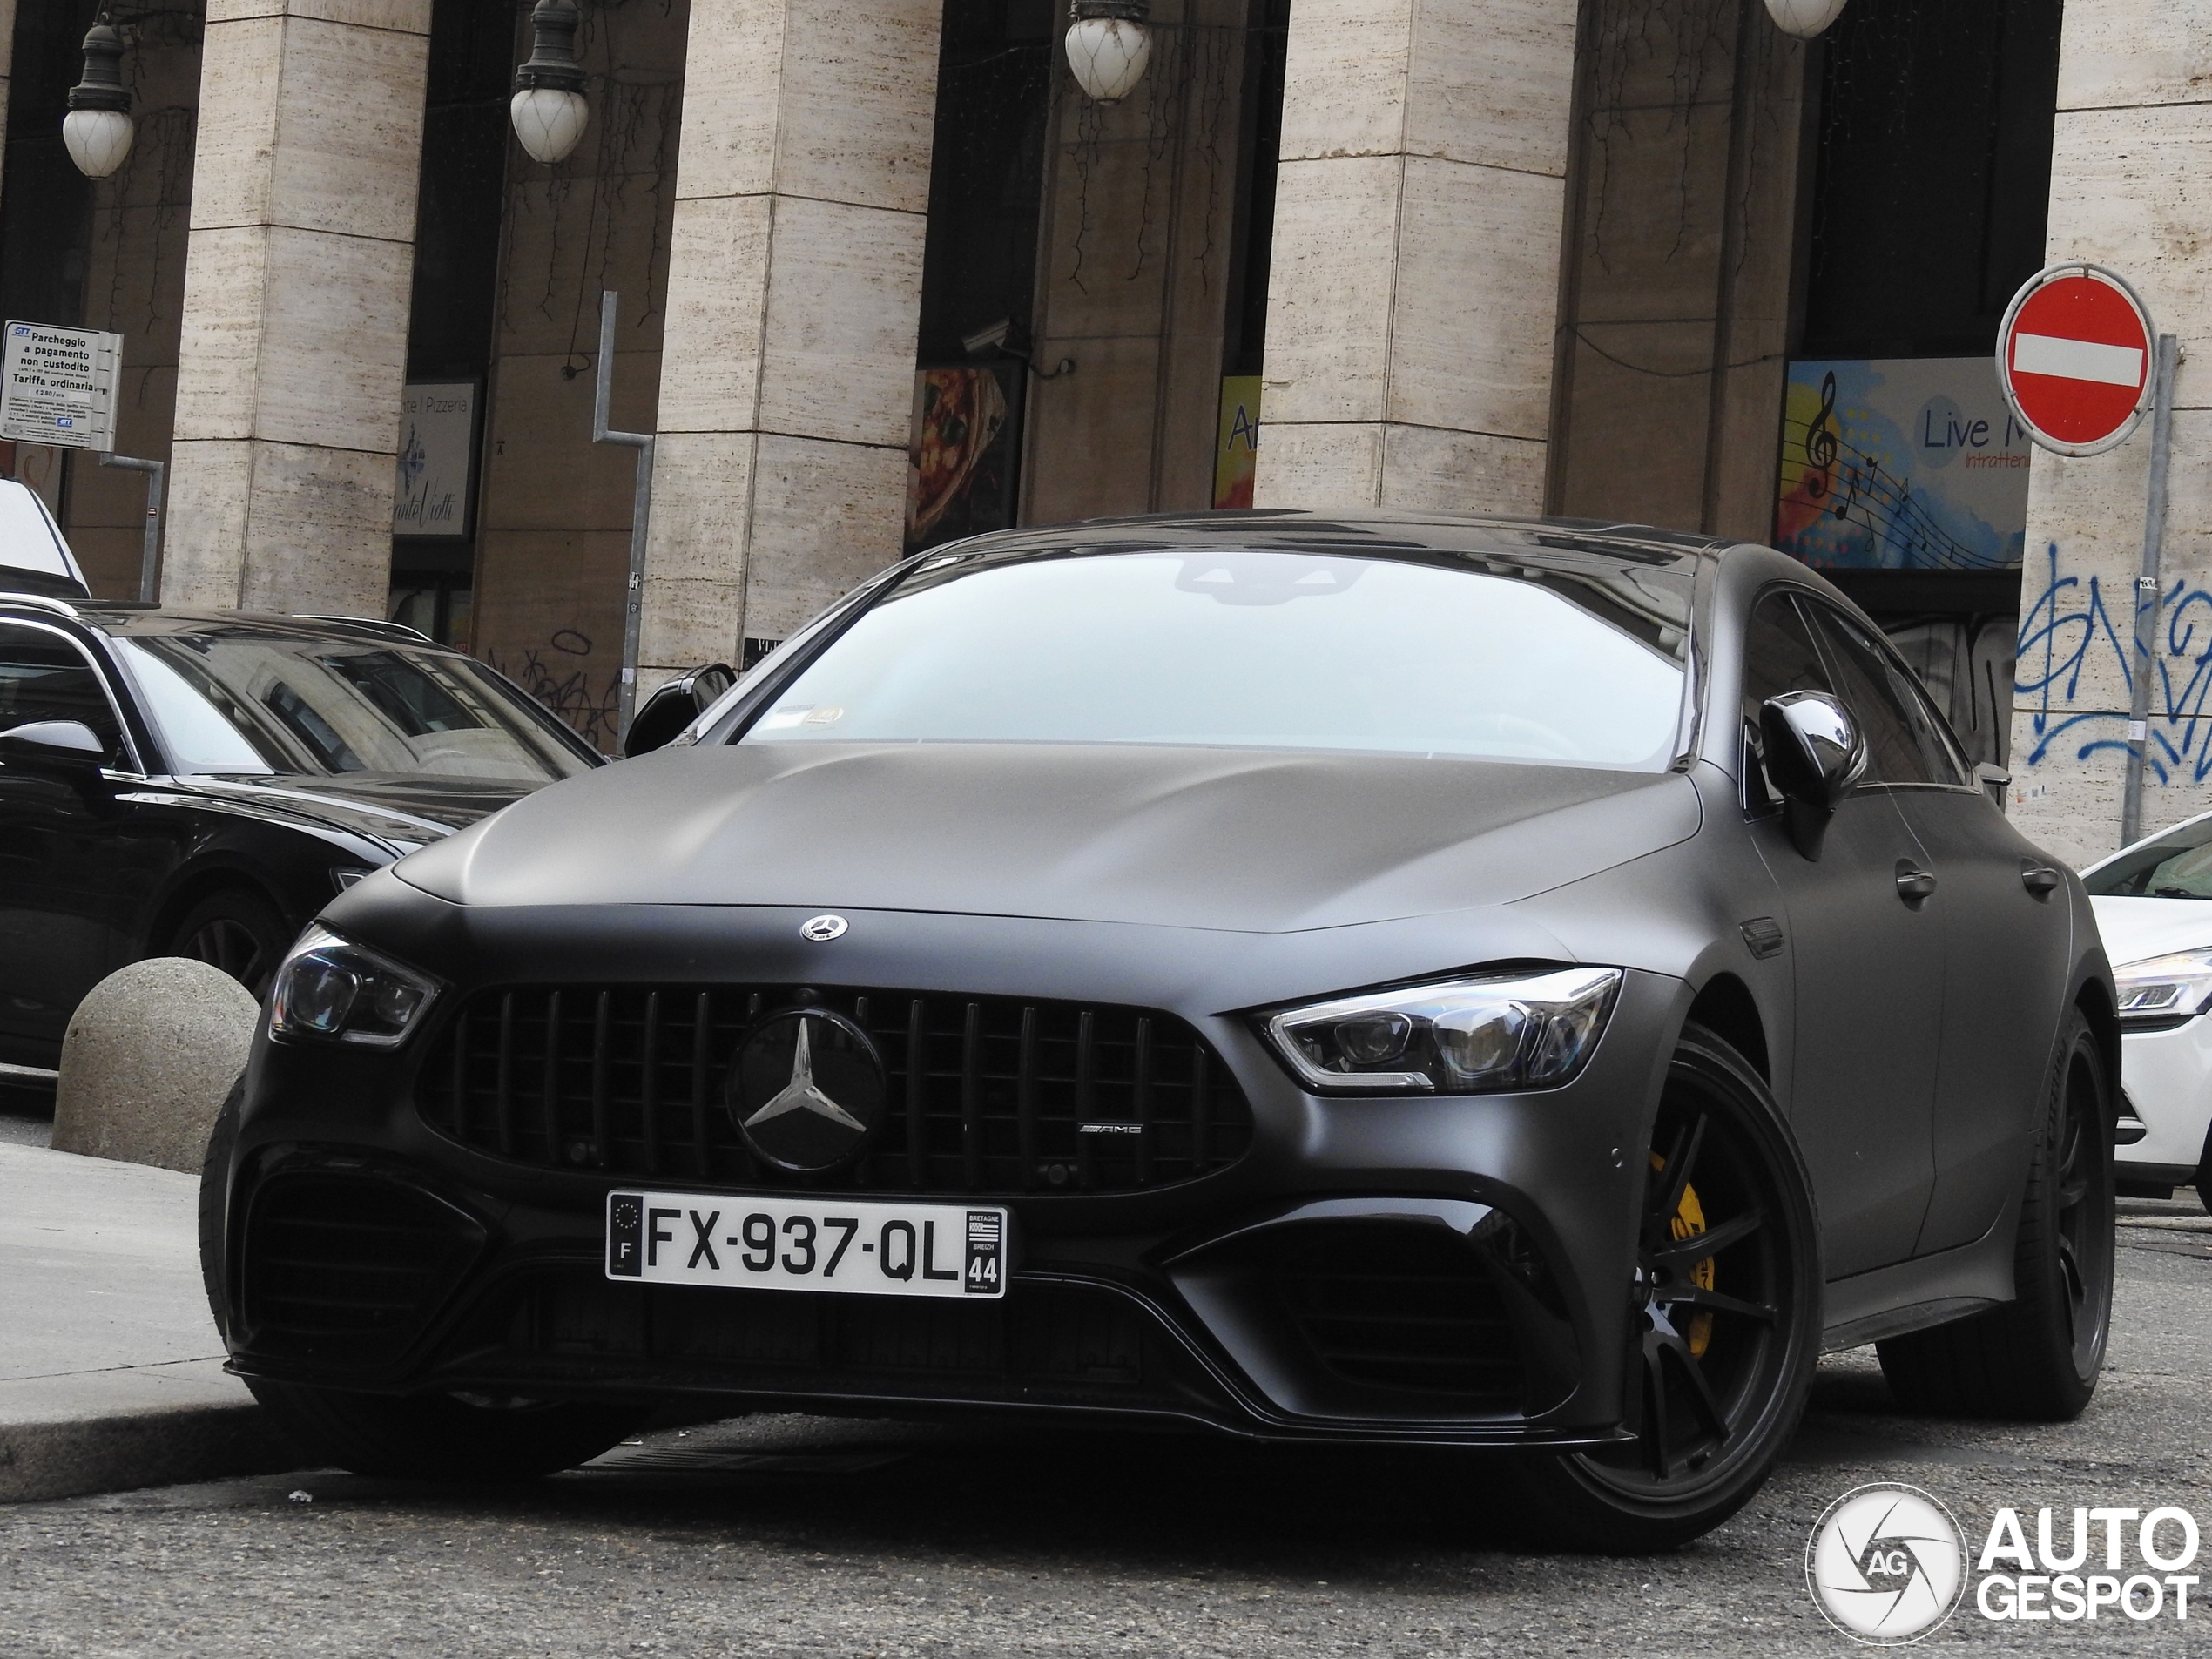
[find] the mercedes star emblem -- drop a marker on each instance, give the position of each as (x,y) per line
(808,1091)
(821,929)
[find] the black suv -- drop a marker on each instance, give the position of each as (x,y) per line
(200,784)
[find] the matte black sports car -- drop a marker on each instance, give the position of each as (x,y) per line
(197,784)
(1512,985)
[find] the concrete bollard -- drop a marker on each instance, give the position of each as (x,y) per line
(150,1057)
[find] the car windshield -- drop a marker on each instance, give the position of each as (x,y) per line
(2178,865)
(249,702)
(1438,656)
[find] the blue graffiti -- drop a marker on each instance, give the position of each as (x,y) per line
(2069,623)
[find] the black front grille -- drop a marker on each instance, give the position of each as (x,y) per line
(1400,1307)
(987,1094)
(347,1266)
(1065,1333)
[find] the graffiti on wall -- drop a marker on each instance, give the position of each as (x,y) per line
(559,676)
(2075,627)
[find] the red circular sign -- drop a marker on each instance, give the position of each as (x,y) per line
(2074,359)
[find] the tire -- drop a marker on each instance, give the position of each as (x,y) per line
(428,1437)
(1722,1346)
(236,931)
(2036,1357)
(448,1438)
(214,1178)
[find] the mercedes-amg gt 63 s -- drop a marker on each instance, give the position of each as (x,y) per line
(1522,987)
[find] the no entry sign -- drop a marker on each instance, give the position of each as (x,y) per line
(2074,359)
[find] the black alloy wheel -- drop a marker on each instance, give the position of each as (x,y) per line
(2036,1357)
(1724,1319)
(235,931)
(2084,1219)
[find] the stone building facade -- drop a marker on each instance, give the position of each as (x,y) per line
(885,275)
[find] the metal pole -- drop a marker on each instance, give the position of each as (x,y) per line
(2148,586)
(641,514)
(150,555)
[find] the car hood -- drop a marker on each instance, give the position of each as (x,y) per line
(406,810)
(2135,929)
(1239,839)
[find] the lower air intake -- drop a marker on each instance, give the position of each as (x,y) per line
(347,1267)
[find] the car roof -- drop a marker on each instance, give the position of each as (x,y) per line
(130,619)
(1363,531)
(33,554)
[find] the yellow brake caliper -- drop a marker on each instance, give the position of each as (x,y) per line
(1688,1219)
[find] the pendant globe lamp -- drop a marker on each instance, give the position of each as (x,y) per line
(1107,46)
(98,129)
(1804,18)
(548,110)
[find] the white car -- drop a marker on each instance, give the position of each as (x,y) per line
(2154,905)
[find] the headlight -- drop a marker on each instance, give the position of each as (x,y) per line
(2164,990)
(330,988)
(1464,1036)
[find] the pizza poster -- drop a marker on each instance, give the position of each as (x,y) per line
(1901,464)
(962,450)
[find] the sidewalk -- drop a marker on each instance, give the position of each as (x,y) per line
(111,1372)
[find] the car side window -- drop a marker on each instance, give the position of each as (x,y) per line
(1778,656)
(1947,762)
(1895,753)
(44,676)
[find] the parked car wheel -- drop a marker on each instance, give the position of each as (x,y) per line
(468,1439)
(1726,1316)
(235,931)
(214,1174)
(2036,1359)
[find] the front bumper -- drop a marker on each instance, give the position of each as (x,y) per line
(1444,1271)
(2167,1081)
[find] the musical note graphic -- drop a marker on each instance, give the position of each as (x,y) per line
(1820,443)
(1869,497)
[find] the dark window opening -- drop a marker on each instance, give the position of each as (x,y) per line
(46,205)
(987,174)
(1934,175)
(1245,329)
(464,182)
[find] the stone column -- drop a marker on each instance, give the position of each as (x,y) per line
(2131,187)
(793,296)
(296,289)
(1415,276)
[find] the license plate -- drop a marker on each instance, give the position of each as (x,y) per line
(805,1244)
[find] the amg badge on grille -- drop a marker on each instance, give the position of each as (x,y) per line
(808,1091)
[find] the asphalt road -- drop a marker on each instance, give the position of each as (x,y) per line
(773,1535)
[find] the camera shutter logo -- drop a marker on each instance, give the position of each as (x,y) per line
(1886,1564)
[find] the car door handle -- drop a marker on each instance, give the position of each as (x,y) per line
(1914,884)
(2039,879)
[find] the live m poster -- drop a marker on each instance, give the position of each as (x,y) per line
(1901,464)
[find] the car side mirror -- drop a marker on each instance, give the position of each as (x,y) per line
(1996,782)
(65,746)
(674,706)
(1815,752)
